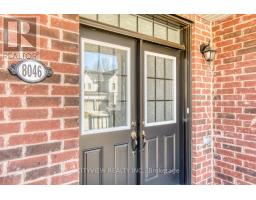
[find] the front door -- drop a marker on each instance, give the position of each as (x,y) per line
(129,111)
(159,116)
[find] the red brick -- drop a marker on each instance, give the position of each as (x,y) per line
(42,125)
(65,178)
(64,46)
(49,32)
(2,88)
(6,128)
(65,68)
(65,90)
(49,55)
(25,114)
(43,101)
(42,148)
(71,144)
(73,17)
(65,112)
(65,134)
(230,23)
(10,102)
(10,180)
(69,166)
(67,25)
(71,123)
(10,154)
(64,156)
(42,172)
(25,89)
(27,163)
(39,182)
(27,139)
(70,36)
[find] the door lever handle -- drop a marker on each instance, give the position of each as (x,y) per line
(144,139)
(134,141)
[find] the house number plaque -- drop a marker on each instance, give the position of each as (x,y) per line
(30,71)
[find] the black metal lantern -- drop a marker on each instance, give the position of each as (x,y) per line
(208,52)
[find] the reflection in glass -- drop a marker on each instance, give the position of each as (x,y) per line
(105,87)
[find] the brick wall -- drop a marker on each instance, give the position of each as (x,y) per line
(235,100)
(202,76)
(39,130)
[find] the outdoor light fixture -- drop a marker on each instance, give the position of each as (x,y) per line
(208,52)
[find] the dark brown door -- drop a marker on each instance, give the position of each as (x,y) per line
(128,91)
(160,155)
(108,114)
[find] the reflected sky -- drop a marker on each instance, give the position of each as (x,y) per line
(100,62)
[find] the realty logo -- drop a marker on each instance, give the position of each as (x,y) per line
(20,34)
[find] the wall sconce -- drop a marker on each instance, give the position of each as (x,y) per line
(208,52)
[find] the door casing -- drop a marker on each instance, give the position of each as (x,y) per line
(185,79)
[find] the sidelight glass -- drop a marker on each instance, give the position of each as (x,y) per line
(160,88)
(105,95)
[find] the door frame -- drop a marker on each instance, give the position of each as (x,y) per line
(185,78)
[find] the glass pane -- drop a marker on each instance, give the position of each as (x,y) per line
(120,115)
(159,89)
(128,22)
(160,111)
(169,110)
(173,35)
(145,26)
(159,67)
(151,89)
(151,66)
(168,69)
(105,90)
(151,111)
(168,90)
(109,19)
(121,60)
(160,31)
(90,16)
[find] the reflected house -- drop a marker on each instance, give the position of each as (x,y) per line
(101,90)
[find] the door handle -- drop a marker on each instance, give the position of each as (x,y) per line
(134,141)
(144,139)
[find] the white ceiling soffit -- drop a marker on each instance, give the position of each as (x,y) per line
(213,17)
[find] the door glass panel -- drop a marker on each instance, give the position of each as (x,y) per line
(106,77)
(160,89)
